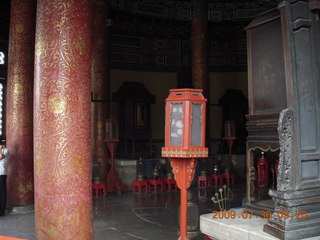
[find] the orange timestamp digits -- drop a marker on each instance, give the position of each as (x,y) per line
(287,214)
(232,214)
(224,214)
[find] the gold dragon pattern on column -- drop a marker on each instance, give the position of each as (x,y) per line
(62,171)
(100,85)
(19,115)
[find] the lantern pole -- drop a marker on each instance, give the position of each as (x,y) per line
(183,170)
(230,141)
(184,141)
(114,183)
(184,213)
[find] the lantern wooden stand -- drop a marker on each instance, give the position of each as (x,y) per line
(114,183)
(184,141)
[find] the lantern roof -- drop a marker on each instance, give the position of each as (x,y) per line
(184,94)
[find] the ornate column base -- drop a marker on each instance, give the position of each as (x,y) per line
(296,216)
(194,235)
(21,209)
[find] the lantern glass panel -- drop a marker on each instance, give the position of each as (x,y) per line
(176,126)
(196,126)
(114,131)
(108,130)
(229,129)
(111,129)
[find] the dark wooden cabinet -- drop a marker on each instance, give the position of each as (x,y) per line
(284,114)
(267,90)
(134,120)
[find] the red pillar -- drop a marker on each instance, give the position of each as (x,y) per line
(63,201)
(199,52)
(19,124)
(199,45)
(100,77)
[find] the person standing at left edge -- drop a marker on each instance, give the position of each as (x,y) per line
(4,156)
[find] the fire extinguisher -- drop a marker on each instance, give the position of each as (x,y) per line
(263,171)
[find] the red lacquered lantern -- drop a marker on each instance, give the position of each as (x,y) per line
(184,141)
(229,134)
(112,130)
(185,124)
(229,129)
(263,171)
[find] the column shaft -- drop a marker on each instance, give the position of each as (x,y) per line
(100,85)
(19,124)
(63,200)
(199,52)
(199,45)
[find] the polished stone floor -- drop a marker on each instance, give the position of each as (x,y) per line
(128,216)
